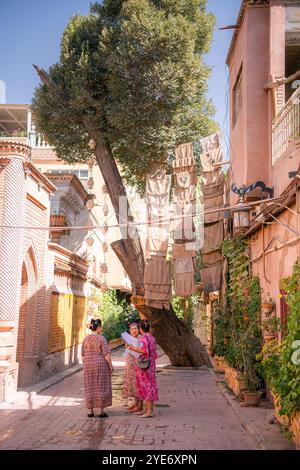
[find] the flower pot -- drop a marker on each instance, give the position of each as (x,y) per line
(266,310)
(267,306)
(252,398)
(295,428)
(269,336)
(219,365)
(282,419)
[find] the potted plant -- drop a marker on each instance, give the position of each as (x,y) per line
(252,393)
(271,327)
(267,305)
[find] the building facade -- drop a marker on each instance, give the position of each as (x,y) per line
(48,276)
(264,126)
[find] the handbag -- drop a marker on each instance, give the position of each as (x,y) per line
(144,362)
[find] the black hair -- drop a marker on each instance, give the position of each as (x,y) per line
(145,326)
(94,324)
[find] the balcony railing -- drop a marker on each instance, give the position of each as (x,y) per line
(36,140)
(286,126)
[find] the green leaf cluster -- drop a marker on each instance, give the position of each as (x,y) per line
(178,307)
(239,323)
(116,313)
(277,365)
(132,71)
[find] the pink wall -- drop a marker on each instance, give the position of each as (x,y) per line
(249,139)
(281,254)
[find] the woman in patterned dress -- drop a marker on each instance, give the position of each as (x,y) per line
(146,379)
(97,369)
(129,380)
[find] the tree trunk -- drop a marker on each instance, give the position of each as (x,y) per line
(179,343)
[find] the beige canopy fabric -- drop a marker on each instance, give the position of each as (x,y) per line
(184,152)
(212,177)
(157,181)
(184,265)
(185,284)
(211,151)
(184,250)
(211,277)
(211,258)
(213,236)
(185,177)
(186,196)
(212,189)
(158,304)
(157,274)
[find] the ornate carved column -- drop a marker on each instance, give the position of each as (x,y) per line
(12,197)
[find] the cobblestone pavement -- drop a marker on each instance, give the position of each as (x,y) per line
(194,412)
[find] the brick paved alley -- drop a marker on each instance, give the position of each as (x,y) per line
(195,411)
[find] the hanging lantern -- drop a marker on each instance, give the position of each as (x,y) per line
(241,218)
(104,247)
(103,268)
(90,258)
(104,228)
(91,162)
(90,204)
(90,241)
(92,144)
(90,182)
(105,209)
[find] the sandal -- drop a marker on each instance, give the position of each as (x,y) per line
(91,415)
(103,415)
(134,410)
(146,416)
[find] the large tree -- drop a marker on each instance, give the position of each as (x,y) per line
(131,77)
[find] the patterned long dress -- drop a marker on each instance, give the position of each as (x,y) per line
(145,378)
(129,380)
(96,372)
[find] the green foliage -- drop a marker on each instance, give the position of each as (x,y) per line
(178,307)
(277,363)
(241,320)
(221,325)
(116,314)
(132,71)
(272,325)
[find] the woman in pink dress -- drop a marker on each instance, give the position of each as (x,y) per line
(145,378)
(97,369)
(129,380)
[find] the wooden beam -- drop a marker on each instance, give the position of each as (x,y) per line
(282,81)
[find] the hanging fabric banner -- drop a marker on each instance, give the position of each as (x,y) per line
(183,226)
(212,189)
(157,275)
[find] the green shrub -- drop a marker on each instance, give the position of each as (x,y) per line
(116,313)
(277,360)
(240,321)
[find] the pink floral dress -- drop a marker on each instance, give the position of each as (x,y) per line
(96,372)
(129,380)
(145,378)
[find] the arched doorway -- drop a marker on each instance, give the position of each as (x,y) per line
(27,321)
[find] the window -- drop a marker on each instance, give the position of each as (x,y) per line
(237,97)
(81,174)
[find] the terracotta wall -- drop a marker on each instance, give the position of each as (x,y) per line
(282,252)
(250,143)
